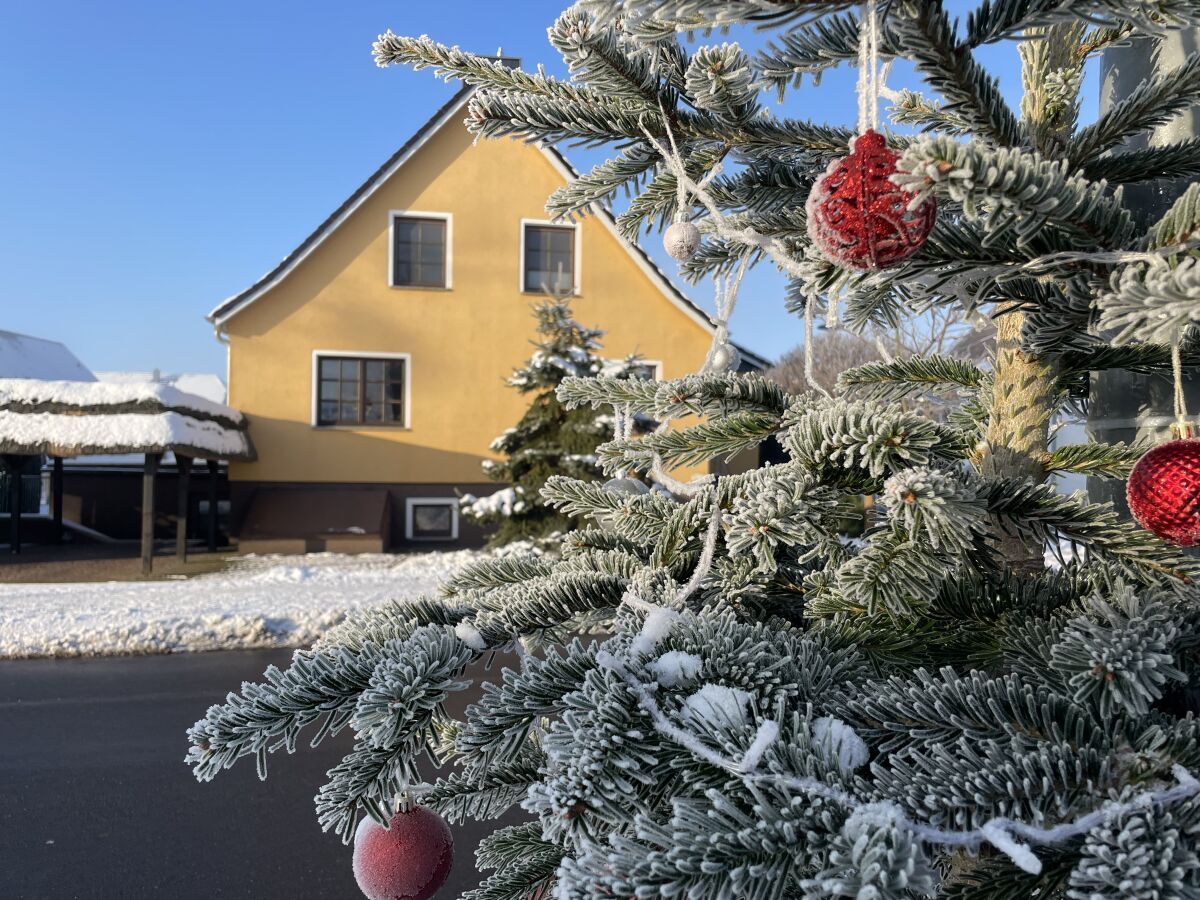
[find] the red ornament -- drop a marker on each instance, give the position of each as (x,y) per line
(409,860)
(858,218)
(1164,492)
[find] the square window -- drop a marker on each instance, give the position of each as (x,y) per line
(431,519)
(549,262)
(418,252)
(356,391)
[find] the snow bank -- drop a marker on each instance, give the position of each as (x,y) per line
(269,601)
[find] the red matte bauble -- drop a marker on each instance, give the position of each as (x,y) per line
(858,218)
(1164,492)
(409,860)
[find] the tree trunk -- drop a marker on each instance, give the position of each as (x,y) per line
(1023,399)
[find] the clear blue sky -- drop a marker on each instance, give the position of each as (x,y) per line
(158,157)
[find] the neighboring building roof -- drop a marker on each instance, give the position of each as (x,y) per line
(202,384)
(23,356)
(241,300)
(74,418)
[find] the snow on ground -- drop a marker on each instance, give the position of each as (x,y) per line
(267,601)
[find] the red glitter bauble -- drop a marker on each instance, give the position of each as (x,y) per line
(408,860)
(858,218)
(1164,492)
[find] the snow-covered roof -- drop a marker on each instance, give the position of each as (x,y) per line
(24,356)
(71,418)
(202,384)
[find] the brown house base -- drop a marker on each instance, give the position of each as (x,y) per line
(305,517)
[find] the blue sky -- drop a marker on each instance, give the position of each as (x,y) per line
(158,157)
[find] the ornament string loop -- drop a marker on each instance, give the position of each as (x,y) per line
(1182,428)
(869,81)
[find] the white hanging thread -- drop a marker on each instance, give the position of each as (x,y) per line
(1182,427)
(1001,832)
(869,78)
(710,548)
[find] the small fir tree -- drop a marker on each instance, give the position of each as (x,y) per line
(550,439)
(773,712)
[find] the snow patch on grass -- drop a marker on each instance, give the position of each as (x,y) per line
(261,602)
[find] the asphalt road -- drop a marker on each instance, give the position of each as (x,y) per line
(96,802)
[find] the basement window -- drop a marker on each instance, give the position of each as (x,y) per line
(371,390)
(431,519)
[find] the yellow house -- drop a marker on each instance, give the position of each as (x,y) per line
(371,361)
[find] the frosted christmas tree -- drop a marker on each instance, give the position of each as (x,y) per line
(550,439)
(774,712)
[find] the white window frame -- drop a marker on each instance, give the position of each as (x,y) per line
(410,502)
(448,218)
(655,364)
(314,388)
(578,254)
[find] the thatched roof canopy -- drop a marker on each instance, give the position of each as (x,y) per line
(77,418)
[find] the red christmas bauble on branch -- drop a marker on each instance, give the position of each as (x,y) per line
(858,218)
(1164,492)
(408,860)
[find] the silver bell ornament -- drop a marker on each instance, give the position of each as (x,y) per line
(681,240)
(725,358)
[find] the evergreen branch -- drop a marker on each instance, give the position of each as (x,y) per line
(480,71)
(482,793)
(892,574)
(650,19)
(656,204)
(494,572)
(1041,513)
(720,82)
(810,51)
(598,56)
(499,723)
(899,379)
(1152,303)
(1178,160)
(924,29)
(1014,190)
(913,109)
(691,446)
(1099,460)
(524,861)
(1180,224)
(598,185)
(1152,103)
(588,121)
(546,603)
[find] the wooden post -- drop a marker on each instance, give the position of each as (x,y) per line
(214,469)
(14,506)
(152,461)
(183,465)
(56,490)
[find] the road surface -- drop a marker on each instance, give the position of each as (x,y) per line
(96,802)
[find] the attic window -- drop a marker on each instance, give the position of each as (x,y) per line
(549,258)
(420,254)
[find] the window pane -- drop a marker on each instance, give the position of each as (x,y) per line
(418,252)
(549,258)
(432,521)
(361,391)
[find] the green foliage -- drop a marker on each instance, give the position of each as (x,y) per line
(549,439)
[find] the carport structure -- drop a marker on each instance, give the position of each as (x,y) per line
(60,419)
